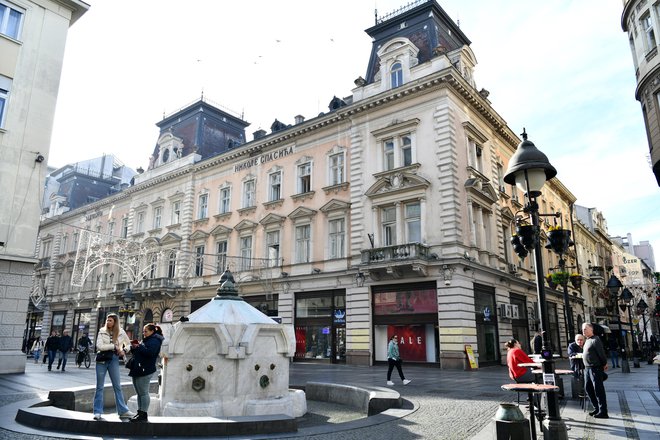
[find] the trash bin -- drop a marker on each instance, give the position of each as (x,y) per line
(510,423)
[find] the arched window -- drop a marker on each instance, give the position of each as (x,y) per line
(396,75)
(166,155)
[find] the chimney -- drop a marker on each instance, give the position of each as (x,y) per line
(299,119)
(259,134)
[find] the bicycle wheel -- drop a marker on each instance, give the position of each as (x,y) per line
(88,360)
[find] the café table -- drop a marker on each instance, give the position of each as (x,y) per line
(530,389)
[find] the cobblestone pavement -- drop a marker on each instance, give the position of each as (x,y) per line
(445,404)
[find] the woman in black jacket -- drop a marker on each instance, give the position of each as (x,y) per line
(143,366)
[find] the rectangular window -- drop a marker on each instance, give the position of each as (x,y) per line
(45,249)
(337,238)
(475,153)
(199,260)
(388,155)
(388,221)
(406,151)
(249,195)
(303,243)
(11,20)
(124,227)
(225,200)
(5,86)
(337,169)
(139,224)
(171,264)
(63,248)
(413,222)
(158,213)
(647,26)
(221,254)
(111,231)
(275,186)
(273,248)
(176,212)
(246,252)
(398,152)
(75,241)
(203,206)
(304,178)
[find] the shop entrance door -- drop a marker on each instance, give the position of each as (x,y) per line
(340,345)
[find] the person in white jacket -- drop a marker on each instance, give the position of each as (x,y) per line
(111,338)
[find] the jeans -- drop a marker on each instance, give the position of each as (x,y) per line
(141,385)
(391,364)
(51,358)
(112,368)
(62,359)
(614,354)
(593,386)
(37,355)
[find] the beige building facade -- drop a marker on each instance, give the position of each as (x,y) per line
(32,40)
(386,215)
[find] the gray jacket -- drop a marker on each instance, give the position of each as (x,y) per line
(593,353)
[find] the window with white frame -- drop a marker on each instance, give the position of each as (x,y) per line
(153,266)
(111,231)
(303,236)
(336,238)
(199,260)
(46,248)
(304,177)
(63,245)
(225,200)
(203,206)
(396,75)
(275,186)
(158,215)
(171,264)
(245,244)
(249,194)
(475,155)
(413,219)
(398,152)
(273,248)
(124,227)
(11,20)
(647,25)
(139,222)
(336,163)
(388,224)
(221,256)
(176,212)
(76,236)
(5,87)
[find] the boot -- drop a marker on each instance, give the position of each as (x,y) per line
(141,416)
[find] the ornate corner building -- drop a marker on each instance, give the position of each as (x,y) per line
(641,20)
(386,214)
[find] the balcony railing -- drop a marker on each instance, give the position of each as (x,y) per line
(401,252)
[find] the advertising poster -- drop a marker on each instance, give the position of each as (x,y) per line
(405,302)
(412,341)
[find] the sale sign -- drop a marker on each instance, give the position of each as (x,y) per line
(412,341)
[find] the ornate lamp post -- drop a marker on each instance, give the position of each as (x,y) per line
(641,310)
(128,297)
(627,298)
(613,285)
(529,169)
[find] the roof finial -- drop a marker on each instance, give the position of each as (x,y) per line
(524,134)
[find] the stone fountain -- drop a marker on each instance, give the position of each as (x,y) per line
(228,359)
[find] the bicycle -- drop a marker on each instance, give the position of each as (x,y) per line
(83,357)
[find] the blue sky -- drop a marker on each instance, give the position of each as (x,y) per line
(561,69)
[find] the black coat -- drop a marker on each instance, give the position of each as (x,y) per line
(145,356)
(53,343)
(66,343)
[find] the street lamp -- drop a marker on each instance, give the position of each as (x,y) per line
(627,297)
(641,310)
(613,285)
(529,169)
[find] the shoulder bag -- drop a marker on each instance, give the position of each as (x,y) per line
(104,356)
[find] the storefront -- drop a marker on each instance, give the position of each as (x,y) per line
(81,324)
(486,319)
(519,322)
(320,326)
(409,311)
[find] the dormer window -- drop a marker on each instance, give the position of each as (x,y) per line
(166,155)
(396,75)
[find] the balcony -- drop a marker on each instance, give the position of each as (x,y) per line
(149,287)
(396,260)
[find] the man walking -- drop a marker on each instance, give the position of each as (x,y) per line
(65,346)
(52,344)
(595,364)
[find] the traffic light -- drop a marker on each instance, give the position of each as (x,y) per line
(518,247)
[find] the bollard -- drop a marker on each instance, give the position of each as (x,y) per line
(510,423)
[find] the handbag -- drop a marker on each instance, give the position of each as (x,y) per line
(130,362)
(104,356)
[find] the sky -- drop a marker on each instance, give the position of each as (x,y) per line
(561,69)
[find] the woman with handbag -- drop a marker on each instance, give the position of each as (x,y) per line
(111,343)
(143,365)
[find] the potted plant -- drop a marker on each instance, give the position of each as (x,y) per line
(551,283)
(560,278)
(576,279)
(559,240)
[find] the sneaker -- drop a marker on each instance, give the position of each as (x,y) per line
(593,413)
(390,383)
(602,415)
(127,414)
(97,416)
(406,381)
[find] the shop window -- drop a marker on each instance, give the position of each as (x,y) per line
(313,307)
(405,302)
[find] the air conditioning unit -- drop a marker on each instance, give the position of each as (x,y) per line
(515,312)
(506,311)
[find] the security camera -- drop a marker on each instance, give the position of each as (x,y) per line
(447,282)
(39,158)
